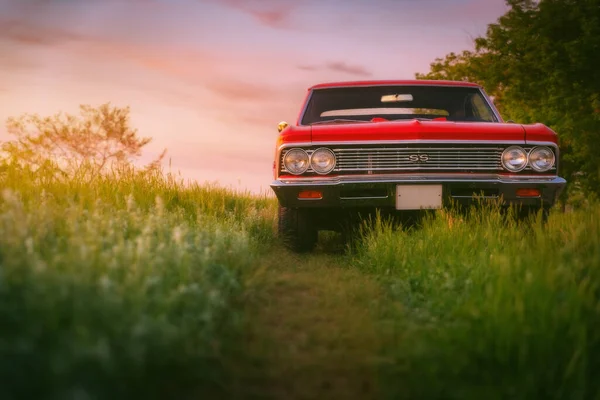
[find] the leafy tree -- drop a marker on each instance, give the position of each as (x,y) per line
(76,146)
(539,61)
(454,67)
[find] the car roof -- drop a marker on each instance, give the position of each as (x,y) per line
(393,83)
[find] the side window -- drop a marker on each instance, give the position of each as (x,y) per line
(480,108)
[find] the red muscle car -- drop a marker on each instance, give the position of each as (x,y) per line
(401,147)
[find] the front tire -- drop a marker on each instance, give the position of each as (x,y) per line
(296,229)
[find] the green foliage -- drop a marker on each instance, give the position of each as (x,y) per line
(122,288)
(454,67)
(539,63)
(75,146)
(491,308)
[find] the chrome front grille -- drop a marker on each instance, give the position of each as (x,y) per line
(418,159)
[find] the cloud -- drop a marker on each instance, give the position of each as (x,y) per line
(178,75)
(87,46)
(26,27)
(308,67)
(22,37)
(239,90)
(15,59)
(18,37)
(438,14)
(273,18)
(29,33)
(271,13)
(349,69)
(338,66)
(38,22)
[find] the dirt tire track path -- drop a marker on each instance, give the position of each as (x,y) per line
(311,330)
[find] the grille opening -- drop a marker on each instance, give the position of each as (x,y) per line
(363,193)
(434,158)
(469,192)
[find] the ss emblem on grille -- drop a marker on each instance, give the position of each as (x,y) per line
(418,157)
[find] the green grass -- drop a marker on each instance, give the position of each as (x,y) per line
(122,288)
(140,286)
(490,308)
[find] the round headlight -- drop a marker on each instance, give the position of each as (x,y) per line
(541,159)
(296,161)
(514,159)
(322,161)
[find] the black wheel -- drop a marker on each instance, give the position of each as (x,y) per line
(296,229)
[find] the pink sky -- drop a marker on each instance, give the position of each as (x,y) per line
(210,79)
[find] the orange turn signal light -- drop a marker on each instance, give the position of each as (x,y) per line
(310,194)
(528,193)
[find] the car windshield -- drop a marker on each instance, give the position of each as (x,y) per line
(365,103)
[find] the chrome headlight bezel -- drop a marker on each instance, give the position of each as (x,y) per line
(532,154)
(302,154)
(509,167)
(332,158)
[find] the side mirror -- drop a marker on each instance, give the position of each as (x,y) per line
(281,126)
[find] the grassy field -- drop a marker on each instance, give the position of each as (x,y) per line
(123,288)
(490,308)
(138,286)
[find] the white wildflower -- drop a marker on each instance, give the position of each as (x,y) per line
(160,205)
(130,202)
(152,281)
(29,245)
(105,282)
(177,235)
(83,251)
(142,246)
(9,196)
(40,266)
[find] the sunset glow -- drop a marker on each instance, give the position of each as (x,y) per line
(210,79)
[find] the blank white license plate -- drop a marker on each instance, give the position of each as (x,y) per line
(416,197)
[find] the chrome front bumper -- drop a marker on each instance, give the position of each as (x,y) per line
(379,190)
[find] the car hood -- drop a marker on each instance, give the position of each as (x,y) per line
(418,130)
